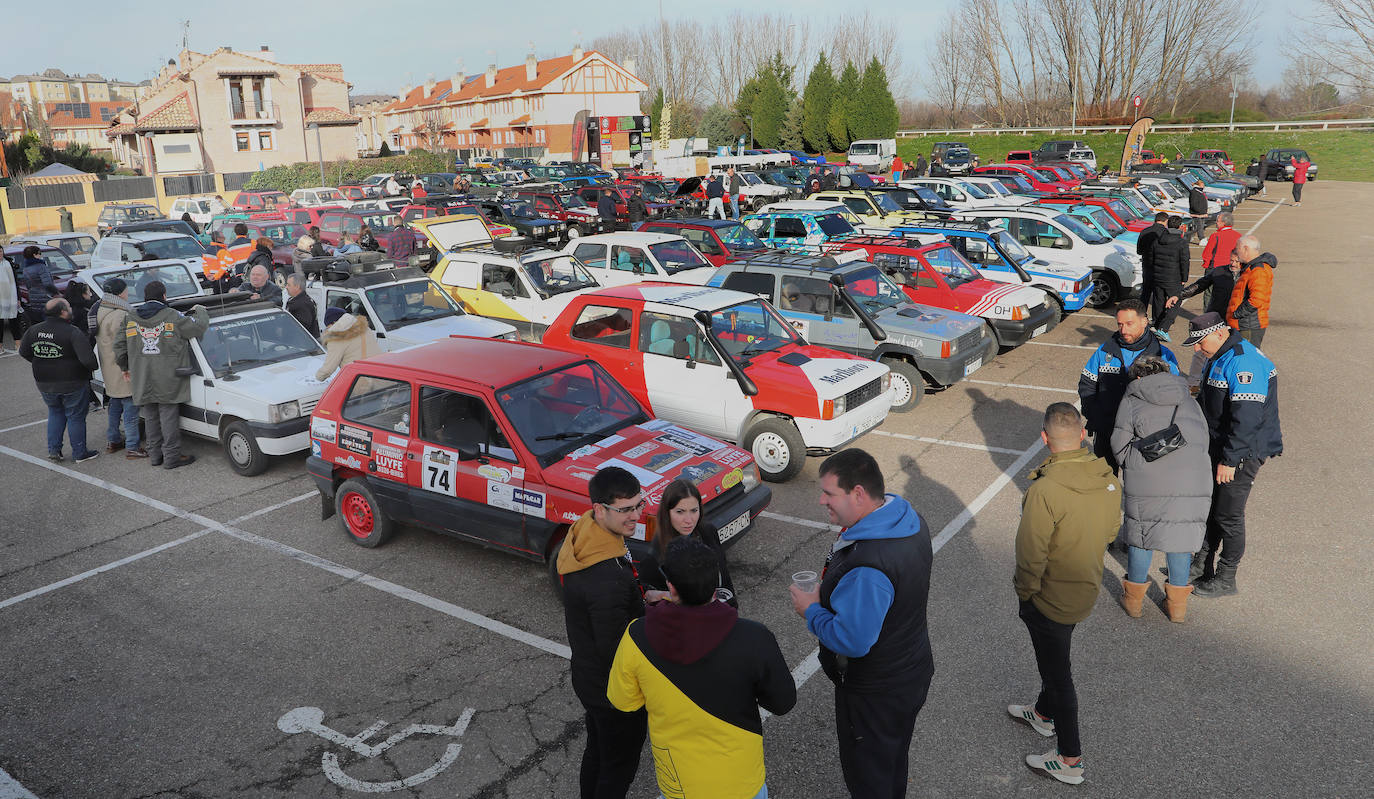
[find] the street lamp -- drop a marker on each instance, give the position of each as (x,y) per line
(319,151)
(1231,126)
(750,119)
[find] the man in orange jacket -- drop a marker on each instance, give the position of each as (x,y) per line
(1248,310)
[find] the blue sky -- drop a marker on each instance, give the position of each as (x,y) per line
(384,44)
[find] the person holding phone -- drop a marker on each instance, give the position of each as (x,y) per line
(679,516)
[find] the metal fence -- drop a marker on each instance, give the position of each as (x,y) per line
(233,181)
(1301,124)
(179,185)
(46,196)
(122,189)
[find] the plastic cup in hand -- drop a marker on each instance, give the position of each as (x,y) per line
(724,595)
(806,581)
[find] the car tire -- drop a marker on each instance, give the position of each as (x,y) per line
(1055,300)
(907,383)
(362,517)
(575,232)
(1105,289)
(241,448)
(777,447)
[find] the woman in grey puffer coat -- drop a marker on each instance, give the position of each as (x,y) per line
(1166,501)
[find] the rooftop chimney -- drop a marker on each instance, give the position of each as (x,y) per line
(531,68)
(405,90)
(577,52)
(491,75)
(629,65)
(266,54)
(429,87)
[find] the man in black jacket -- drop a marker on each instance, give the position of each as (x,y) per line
(1197,207)
(1169,260)
(605,208)
(636,206)
(62,364)
(1145,247)
(601,596)
(301,306)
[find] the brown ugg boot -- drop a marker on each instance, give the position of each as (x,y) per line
(1176,601)
(1133,597)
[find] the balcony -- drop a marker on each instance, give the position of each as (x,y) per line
(252,114)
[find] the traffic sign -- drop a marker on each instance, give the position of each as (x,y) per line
(1136,100)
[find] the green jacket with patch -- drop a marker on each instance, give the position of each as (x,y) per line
(156,341)
(1071,512)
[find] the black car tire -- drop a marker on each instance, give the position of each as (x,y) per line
(241,449)
(1105,289)
(904,371)
(782,434)
(362,517)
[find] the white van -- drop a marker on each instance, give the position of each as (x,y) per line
(874,155)
(202,208)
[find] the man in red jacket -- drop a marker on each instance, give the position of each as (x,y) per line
(1221,242)
(1299,177)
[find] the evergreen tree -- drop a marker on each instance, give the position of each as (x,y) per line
(816,99)
(842,108)
(715,126)
(874,115)
(792,125)
(385,150)
(656,112)
(770,109)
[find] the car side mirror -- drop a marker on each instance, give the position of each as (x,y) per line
(468,452)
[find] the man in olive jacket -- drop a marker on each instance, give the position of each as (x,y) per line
(1072,510)
(156,341)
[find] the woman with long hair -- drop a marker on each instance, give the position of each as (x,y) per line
(679,514)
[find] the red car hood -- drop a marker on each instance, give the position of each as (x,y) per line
(657,452)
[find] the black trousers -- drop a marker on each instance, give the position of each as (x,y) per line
(1164,317)
(1058,700)
(1297,192)
(1254,336)
(874,731)
(609,762)
(1226,522)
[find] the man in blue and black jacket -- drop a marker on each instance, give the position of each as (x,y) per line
(869,614)
(1240,398)
(1104,379)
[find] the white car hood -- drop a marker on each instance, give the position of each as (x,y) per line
(435,329)
(696,277)
(832,378)
(276,383)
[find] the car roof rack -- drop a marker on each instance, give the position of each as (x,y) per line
(812,260)
(223,304)
(978,224)
(516,246)
(353,263)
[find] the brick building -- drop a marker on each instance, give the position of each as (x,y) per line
(525,110)
(230,111)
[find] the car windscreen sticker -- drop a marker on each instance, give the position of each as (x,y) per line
(642,449)
(355,439)
(655,424)
(439,469)
(389,461)
(513,498)
(610,440)
(645,477)
(323,429)
(664,461)
(582,452)
(687,440)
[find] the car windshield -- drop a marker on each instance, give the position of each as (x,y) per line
(521,211)
(885,201)
(572,201)
(750,328)
(975,190)
(257,340)
(1045,175)
(1138,209)
(381,222)
(957,155)
(948,262)
(560,411)
(875,291)
(1106,222)
(655,191)
(904,197)
(677,256)
(402,304)
(285,233)
(176,277)
(1011,247)
(833,224)
(137,213)
(995,187)
(751,179)
(1168,187)
(178,247)
(739,237)
(273,199)
(1081,229)
(868,148)
(777,178)
(928,196)
(558,274)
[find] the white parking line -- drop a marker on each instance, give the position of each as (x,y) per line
(1266,216)
(399,591)
(960,444)
(1067,346)
(1021,385)
(21,427)
(11,789)
(782,517)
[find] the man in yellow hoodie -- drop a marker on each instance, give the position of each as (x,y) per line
(1072,510)
(601,596)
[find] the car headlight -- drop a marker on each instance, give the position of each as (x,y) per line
(887,381)
(513,335)
(283,411)
(750,480)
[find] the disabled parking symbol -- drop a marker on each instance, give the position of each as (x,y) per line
(311,719)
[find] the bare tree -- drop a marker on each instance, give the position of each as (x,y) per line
(949,76)
(1348,46)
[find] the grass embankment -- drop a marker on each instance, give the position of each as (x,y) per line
(1341,154)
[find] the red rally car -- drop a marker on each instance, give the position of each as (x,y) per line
(494,441)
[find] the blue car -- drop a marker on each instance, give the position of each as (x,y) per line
(999,256)
(799,157)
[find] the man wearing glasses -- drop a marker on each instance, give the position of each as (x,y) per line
(601,596)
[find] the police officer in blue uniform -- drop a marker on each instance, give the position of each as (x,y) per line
(1239,397)
(1104,379)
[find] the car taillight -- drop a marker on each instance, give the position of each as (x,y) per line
(946,347)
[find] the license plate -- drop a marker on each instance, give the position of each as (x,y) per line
(1039,330)
(734,528)
(973,366)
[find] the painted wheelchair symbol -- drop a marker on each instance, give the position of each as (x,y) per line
(311,719)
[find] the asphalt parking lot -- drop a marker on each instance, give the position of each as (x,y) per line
(199,634)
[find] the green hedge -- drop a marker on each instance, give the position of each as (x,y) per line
(306,174)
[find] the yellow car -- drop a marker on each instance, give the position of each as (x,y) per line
(876,209)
